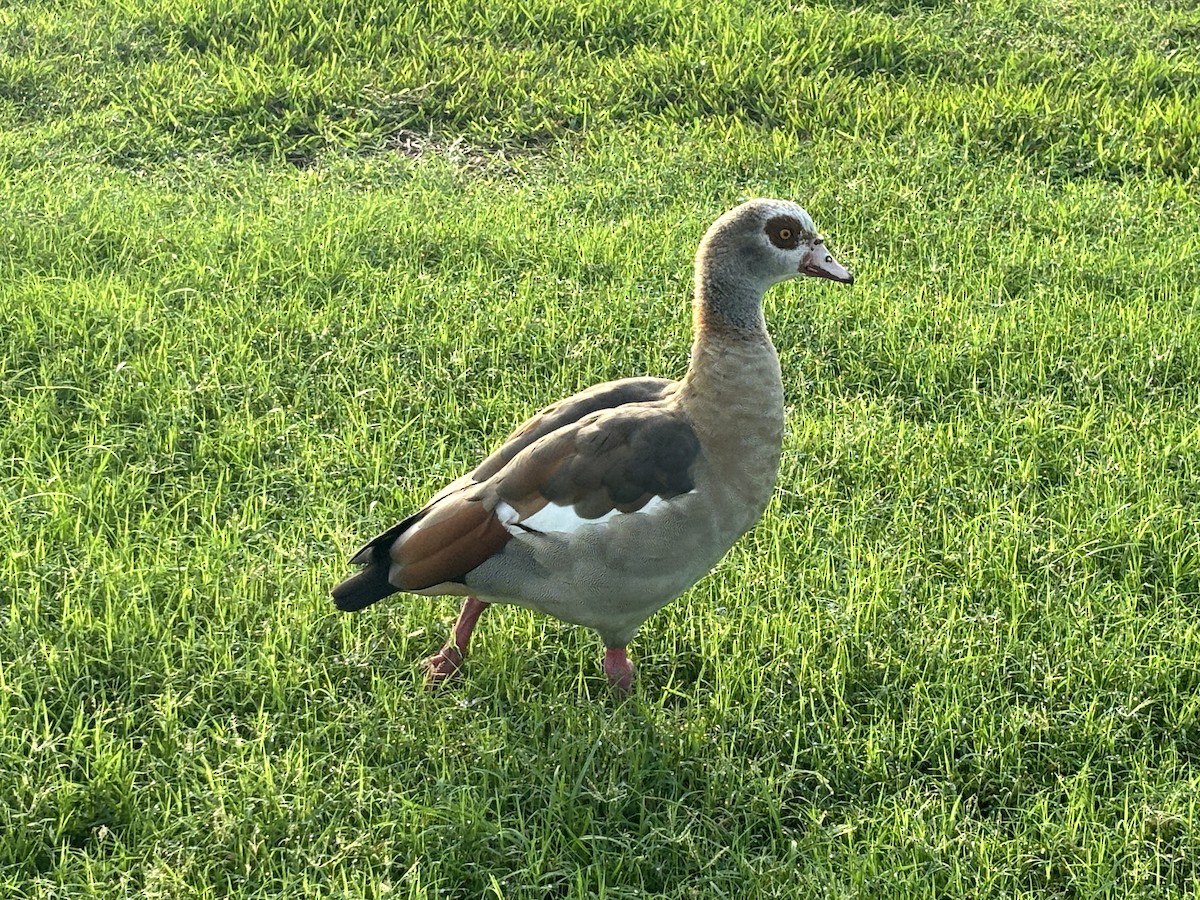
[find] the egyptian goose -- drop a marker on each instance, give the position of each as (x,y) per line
(604,507)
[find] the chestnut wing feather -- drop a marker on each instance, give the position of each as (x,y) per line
(612,447)
(611,460)
(456,535)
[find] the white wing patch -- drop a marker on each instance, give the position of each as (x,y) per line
(561,519)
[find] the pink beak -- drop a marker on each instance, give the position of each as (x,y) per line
(821,264)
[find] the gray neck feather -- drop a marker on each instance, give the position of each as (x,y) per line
(732,302)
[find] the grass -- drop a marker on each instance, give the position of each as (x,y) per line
(274,272)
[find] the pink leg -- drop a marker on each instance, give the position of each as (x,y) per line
(444,664)
(619,670)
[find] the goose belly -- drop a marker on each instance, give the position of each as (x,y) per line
(611,575)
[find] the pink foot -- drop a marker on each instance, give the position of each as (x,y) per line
(619,670)
(447,662)
(443,665)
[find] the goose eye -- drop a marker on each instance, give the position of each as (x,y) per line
(782,231)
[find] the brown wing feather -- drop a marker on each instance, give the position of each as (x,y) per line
(441,543)
(458,534)
(458,529)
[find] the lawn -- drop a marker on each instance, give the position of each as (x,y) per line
(273,271)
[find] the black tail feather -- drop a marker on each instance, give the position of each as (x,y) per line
(368,586)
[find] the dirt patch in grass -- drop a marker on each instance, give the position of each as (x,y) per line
(460,152)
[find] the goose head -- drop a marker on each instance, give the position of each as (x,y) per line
(752,247)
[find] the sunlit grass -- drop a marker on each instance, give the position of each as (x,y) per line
(273,273)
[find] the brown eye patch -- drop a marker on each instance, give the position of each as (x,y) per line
(784,232)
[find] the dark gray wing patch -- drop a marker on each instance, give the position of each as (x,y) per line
(617,460)
(609,395)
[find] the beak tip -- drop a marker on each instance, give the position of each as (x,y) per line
(828,268)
